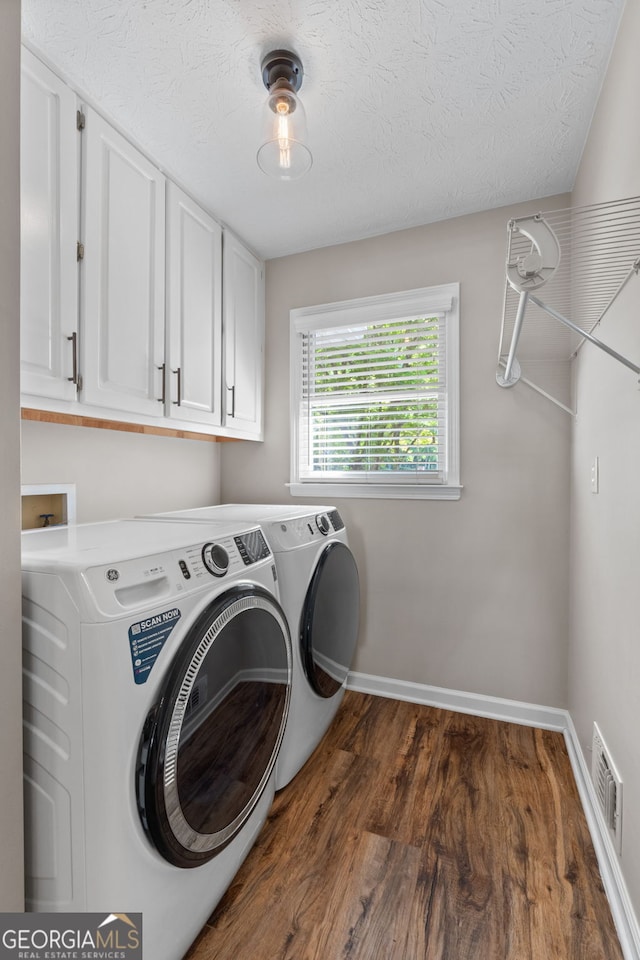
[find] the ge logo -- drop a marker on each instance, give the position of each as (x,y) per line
(113,575)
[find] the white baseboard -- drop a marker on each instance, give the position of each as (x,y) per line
(548,718)
(514,711)
(621,907)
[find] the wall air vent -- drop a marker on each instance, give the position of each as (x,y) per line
(608,786)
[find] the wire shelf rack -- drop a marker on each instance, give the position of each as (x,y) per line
(567,265)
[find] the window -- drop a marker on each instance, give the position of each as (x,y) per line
(375,396)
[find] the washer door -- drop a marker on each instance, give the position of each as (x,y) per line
(329,624)
(210,742)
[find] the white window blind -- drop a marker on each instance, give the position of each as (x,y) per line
(373,392)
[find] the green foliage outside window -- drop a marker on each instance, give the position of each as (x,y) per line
(375,398)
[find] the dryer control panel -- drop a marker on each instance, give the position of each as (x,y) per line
(299,531)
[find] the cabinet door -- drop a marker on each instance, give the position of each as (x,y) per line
(243,331)
(49,194)
(122,276)
(194,311)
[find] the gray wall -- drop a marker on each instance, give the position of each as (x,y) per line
(604,659)
(11,878)
(470,595)
(121,474)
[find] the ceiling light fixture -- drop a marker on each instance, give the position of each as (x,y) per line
(284,154)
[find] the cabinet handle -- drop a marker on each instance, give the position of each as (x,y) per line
(178,373)
(163,368)
(233,400)
(74,358)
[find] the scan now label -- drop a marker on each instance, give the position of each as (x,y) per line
(146,640)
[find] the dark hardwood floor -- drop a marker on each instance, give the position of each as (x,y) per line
(420,834)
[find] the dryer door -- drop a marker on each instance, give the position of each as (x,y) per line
(210,742)
(329,624)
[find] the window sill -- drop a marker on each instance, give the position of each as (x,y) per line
(380,491)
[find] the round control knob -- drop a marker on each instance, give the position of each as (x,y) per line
(215,559)
(322,523)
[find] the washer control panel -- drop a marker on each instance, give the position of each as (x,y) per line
(228,554)
(134,583)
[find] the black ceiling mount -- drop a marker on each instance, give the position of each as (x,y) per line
(282,65)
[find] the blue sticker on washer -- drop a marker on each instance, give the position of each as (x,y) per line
(146,640)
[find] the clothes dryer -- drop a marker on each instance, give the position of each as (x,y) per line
(157,669)
(319,591)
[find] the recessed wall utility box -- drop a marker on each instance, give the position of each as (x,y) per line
(48,504)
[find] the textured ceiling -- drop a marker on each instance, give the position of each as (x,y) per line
(418,110)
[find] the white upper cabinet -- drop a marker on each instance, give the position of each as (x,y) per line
(194,311)
(135,307)
(49,210)
(243,327)
(122,287)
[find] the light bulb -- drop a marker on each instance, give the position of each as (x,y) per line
(282,109)
(283,153)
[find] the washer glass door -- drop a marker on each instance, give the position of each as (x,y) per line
(330,616)
(210,742)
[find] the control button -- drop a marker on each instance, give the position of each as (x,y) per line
(215,559)
(185,570)
(322,523)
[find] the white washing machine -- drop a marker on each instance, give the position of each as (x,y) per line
(157,669)
(319,591)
